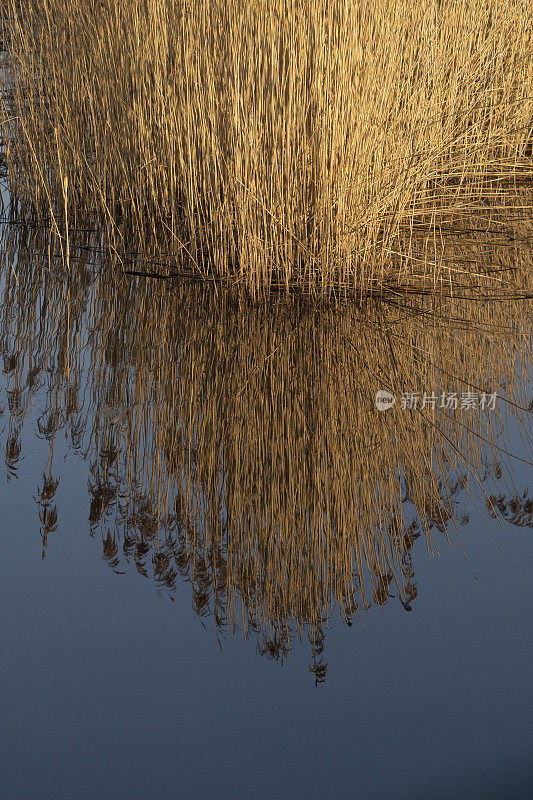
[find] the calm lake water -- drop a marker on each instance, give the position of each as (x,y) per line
(212,583)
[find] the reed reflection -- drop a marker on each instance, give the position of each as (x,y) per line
(239,449)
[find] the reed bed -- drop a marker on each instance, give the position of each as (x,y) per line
(243,453)
(320,147)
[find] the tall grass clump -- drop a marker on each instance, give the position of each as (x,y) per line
(273,145)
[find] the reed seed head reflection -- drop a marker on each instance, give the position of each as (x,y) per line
(238,453)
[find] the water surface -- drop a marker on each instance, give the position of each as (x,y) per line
(224,571)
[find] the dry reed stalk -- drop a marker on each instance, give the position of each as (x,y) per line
(274,145)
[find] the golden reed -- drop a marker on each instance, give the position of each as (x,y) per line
(324,147)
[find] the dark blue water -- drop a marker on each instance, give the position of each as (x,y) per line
(111,689)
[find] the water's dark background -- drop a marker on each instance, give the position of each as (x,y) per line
(109,689)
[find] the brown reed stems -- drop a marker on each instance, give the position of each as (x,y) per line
(274,145)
